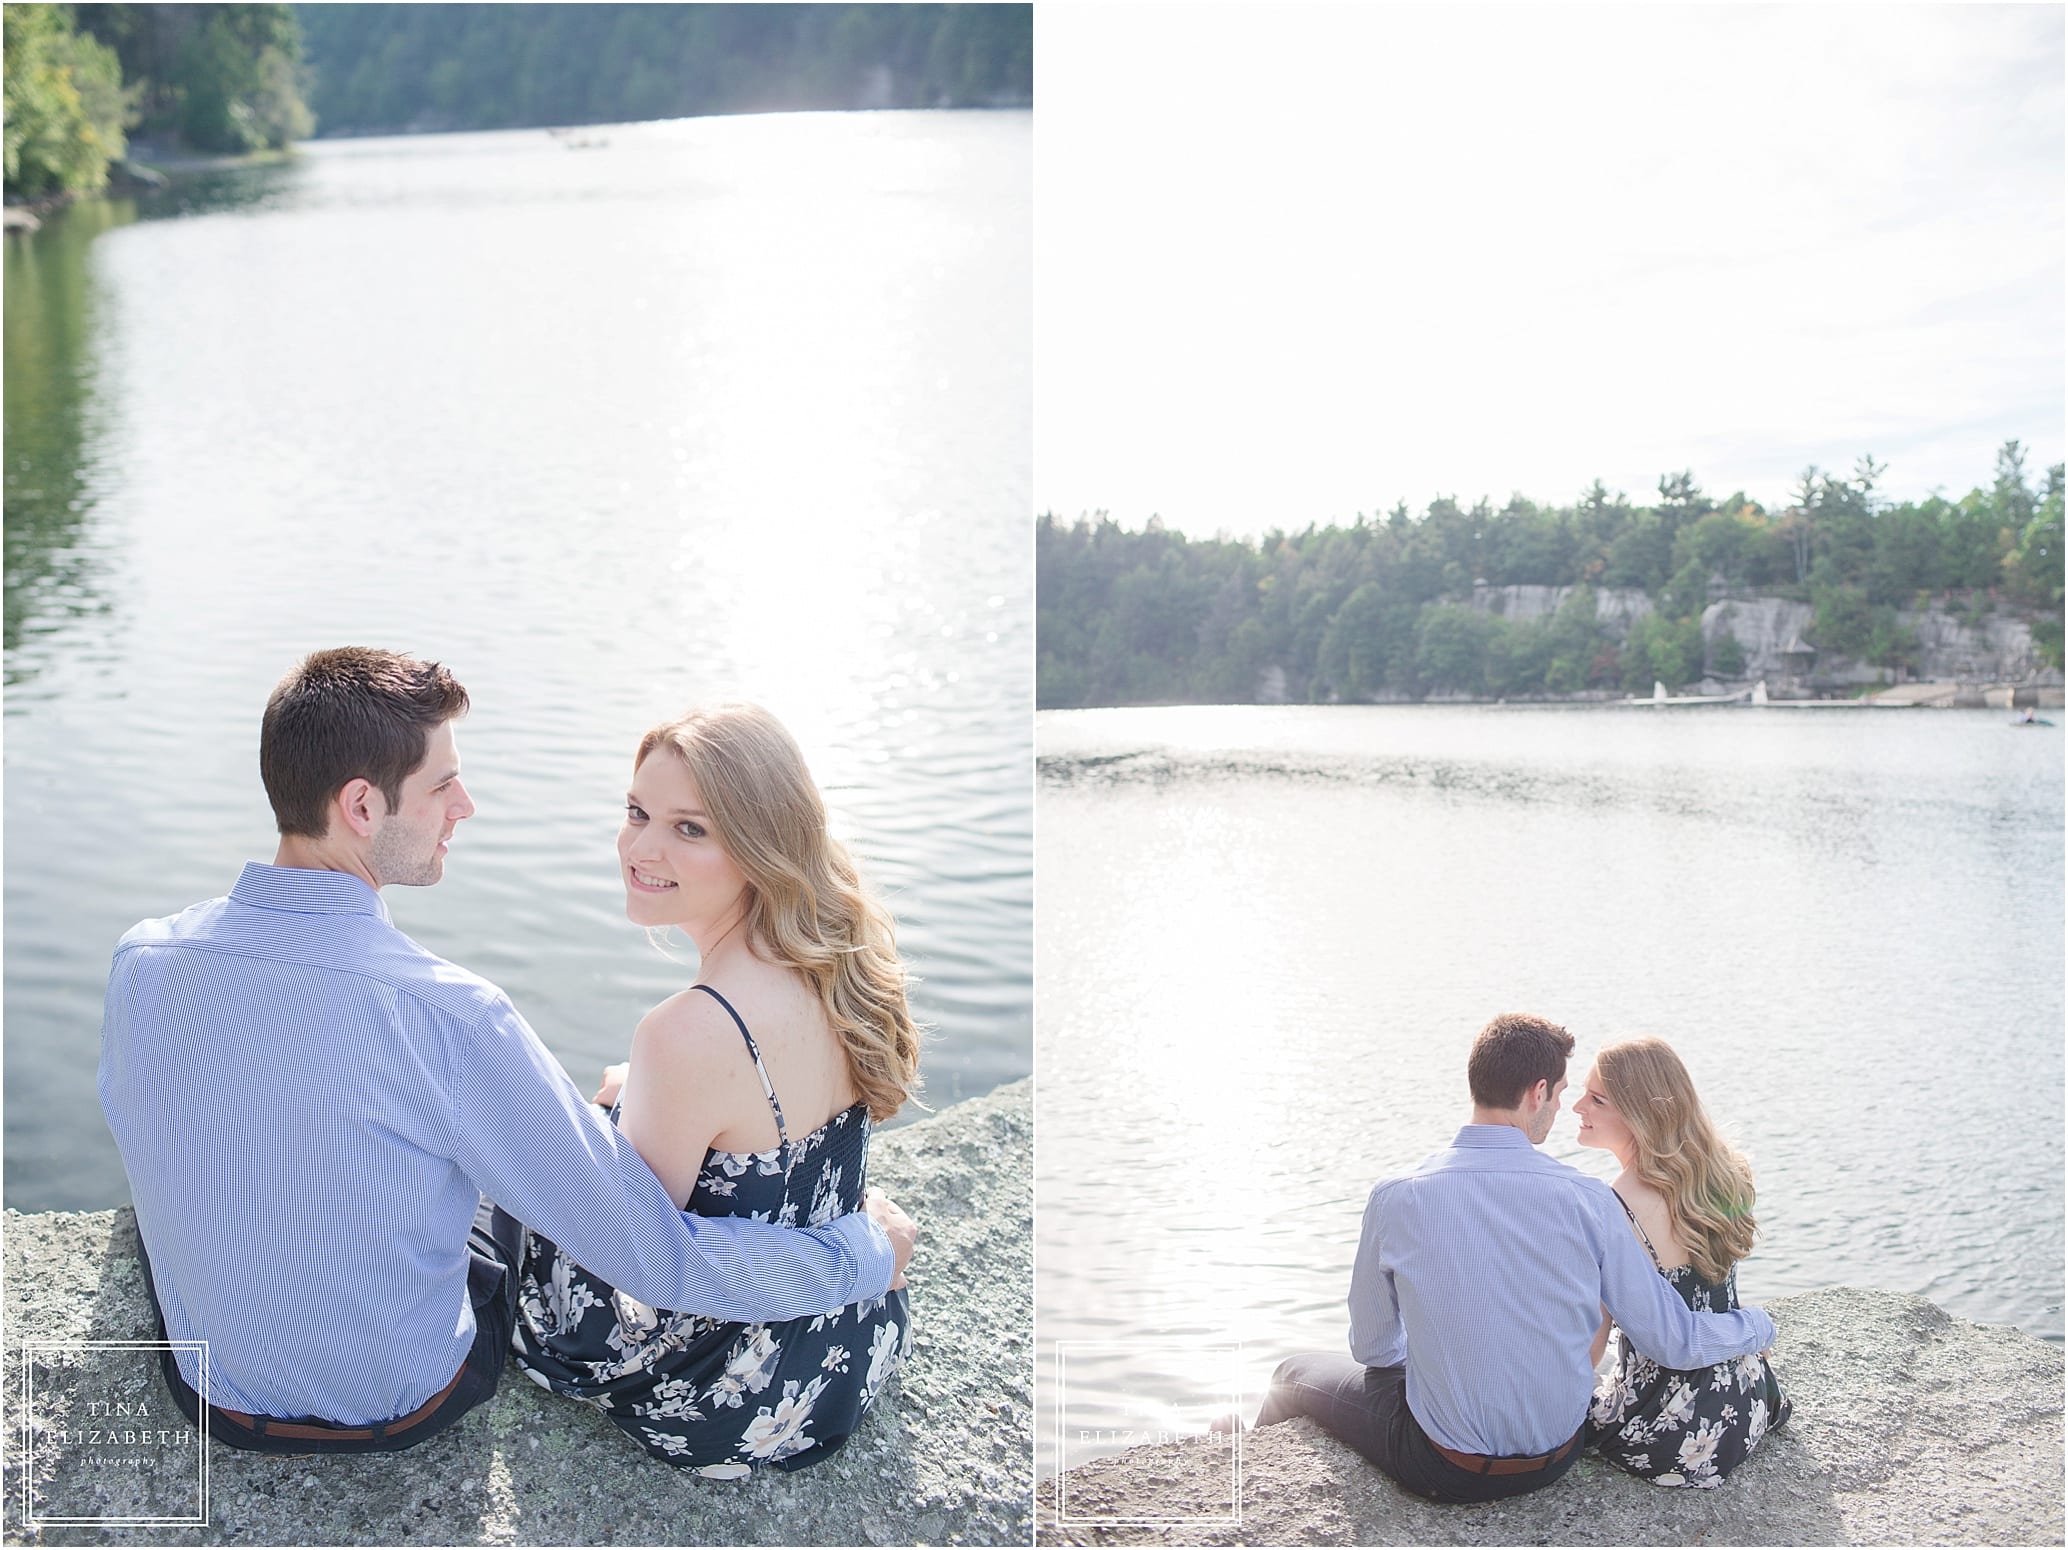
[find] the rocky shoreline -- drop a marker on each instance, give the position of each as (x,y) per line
(945,1459)
(1911,1427)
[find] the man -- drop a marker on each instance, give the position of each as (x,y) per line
(1478,1286)
(310,1107)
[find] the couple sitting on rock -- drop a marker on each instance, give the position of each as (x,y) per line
(1490,1279)
(360,1178)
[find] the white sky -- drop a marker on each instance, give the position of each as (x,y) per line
(1296,262)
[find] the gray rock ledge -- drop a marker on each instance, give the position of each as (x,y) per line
(946,1458)
(1911,1427)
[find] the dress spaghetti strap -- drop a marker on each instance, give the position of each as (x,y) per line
(1634,1222)
(782,1131)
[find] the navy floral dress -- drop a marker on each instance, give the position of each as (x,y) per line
(1684,1428)
(714,1396)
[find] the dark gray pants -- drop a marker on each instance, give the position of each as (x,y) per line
(1366,1407)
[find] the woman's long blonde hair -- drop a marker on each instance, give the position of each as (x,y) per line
(807,909)
(1706,1181)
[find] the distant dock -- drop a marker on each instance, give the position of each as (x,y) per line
(1947,696)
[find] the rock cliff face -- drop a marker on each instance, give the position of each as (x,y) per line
(1996,648)
(1615,608)
(945,1458)
(1910,1427)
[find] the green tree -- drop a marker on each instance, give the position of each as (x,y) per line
(1451,643)
(1662,650)
(1845,619)
(237,79)
(64,103)
(2033,567)
(219,77)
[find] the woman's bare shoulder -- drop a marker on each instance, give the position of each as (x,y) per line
(1637,1194)
(689,1026)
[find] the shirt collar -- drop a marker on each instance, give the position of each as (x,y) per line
(302,891)
(1493,1135)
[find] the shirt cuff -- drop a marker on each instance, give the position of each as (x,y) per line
(876,1263)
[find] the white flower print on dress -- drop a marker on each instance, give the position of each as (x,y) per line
(825,1199)
(1612,1397)
(835,1359)
(637,1323)
(667,1442)
(778,1433)
(566,1299)
(673,1399)
(749,1369)
(883,1356)
(1757,1427)
(1679,1407)
(1698,1454)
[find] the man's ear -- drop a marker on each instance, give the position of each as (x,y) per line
(353,806)
(1540,1094)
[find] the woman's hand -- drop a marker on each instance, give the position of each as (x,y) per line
(902,1231)
(613,1083)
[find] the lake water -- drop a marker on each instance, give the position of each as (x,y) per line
(1268,935)
(722,407)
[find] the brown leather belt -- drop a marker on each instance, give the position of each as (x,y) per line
(1481,1465)
(318,1431)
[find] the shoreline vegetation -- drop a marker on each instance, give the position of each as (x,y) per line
(1835,597)
(208,87)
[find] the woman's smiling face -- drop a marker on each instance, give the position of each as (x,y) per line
(675,871)
(1600,1124)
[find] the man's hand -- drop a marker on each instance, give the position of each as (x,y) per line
(903,1231)
(613,1084)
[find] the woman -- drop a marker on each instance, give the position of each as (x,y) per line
(725,836)
(1688,1195)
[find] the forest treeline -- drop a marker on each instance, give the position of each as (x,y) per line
(238,78)
(394,67)
(1382,606)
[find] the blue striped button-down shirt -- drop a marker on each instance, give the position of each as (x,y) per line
(308,1106)
(1484,1271)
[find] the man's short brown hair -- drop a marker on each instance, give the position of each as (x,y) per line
(348,714)
(1512,1054)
